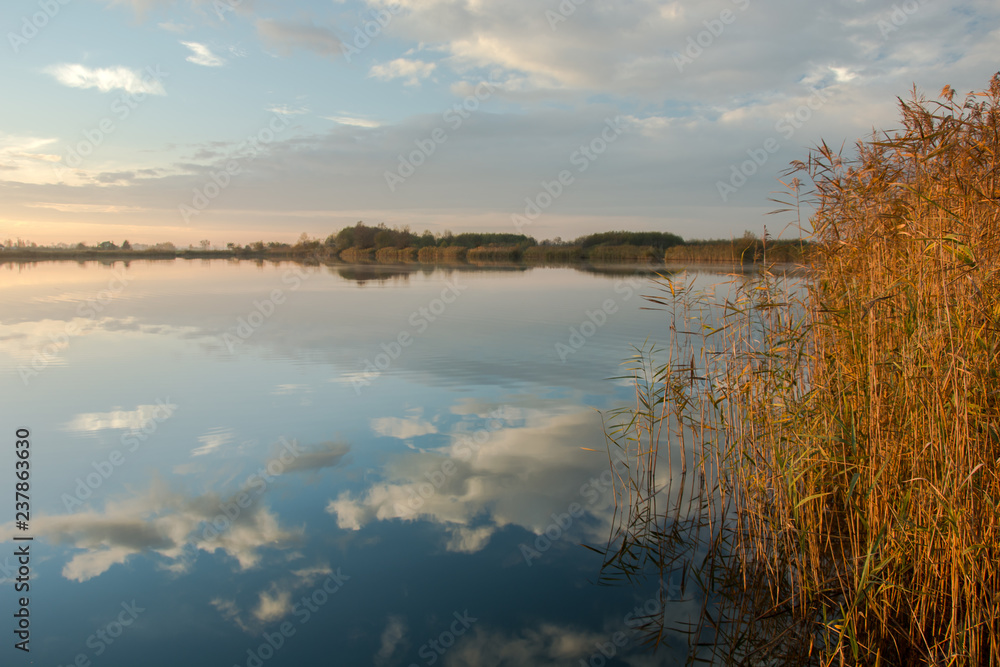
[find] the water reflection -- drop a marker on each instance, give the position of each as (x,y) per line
(461,480)
(512,465)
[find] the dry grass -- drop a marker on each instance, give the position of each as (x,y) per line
(841,434)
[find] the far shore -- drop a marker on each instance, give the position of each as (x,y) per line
(714,255)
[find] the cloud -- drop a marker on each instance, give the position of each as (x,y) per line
(119,419)
(110,177)
(473,493)
(395,427)
(687,126)
(558,644)
(286,110)
(272,605)
(324,455)
(638,50)
(165,523)
(309,575)
(273,602)
(213,440)
(395,631)
(106,79)
(351,120)
(285,37)
(401,68)
(87,208)
(547,644)
(202,55)
(22,152)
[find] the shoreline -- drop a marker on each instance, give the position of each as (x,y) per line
(22,256)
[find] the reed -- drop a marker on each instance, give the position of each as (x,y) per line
(357,255)
(623,253)
(395,255)
(494,253)
(442,254)
(541,253)
(746,250)
(839,434)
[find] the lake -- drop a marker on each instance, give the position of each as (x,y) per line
(240,463)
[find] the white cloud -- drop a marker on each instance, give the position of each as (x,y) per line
(213,440)
(107,79)
(395,427)
(401,68)
(118,419)
(517,476)
(274,602)
(23,159)
(309,575)
(202,55)
(272,605)
(12,144)
(286,110)
(164,523)
(357,122)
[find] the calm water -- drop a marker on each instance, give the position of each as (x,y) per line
(234,464)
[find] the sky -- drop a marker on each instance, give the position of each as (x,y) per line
(240,120)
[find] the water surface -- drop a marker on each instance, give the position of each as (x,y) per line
(237,463)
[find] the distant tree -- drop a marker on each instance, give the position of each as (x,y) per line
(659,240)
(344,239)
(106,245)
(205,244)
(232,246)
(126,245)
(305,243)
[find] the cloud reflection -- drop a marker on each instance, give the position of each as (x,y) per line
(174,526)
(487,479)
(162,522)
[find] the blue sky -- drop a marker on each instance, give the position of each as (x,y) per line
(238,120)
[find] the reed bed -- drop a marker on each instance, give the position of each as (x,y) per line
(445,254)
(832,442)
(746,250)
